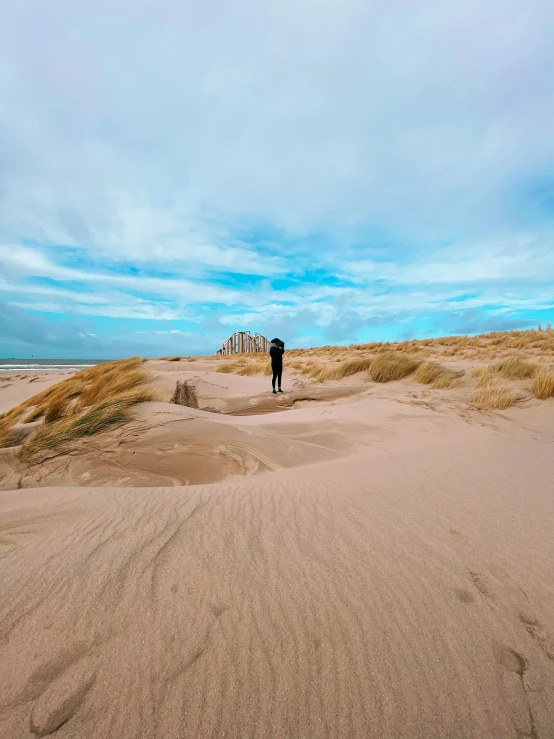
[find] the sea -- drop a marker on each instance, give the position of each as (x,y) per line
(46,365)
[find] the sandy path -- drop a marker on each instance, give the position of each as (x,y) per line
(408,595)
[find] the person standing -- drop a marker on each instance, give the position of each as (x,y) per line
(276,352)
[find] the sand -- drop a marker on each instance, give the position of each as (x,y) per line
(345,560)
(17,387)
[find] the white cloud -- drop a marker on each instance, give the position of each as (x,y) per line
(23,262)
(137,312)
(160,135)
(350,114)
(523,257)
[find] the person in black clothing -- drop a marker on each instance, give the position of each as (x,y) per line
(276,352)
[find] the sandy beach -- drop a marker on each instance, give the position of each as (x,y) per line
(350,559)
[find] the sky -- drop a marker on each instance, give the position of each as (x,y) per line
(329,173)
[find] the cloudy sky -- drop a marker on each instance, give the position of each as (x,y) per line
(171,172)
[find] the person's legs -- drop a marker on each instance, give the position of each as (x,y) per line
(279,375)
(275,373)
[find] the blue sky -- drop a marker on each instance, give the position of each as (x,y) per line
(171,172)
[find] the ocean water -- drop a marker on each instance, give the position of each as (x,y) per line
(45,365)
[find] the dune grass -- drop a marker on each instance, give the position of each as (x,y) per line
(535,344)
(36,413)
(320,372)
(111,383)
(478,371)
(101,416)
(228,368)
(89,386)
(486,377)
(337,371)
(8,437)
(485,346)
(446,381)
(98,418)
(391,366)
(297,364)
(514,368)
(255,368)
(383,367)
(353,366)
(494,396)
(516,353)
(57,409)
(80,405)
(542,384)
(436,375)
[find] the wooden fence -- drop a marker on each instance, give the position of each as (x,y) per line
(243,342)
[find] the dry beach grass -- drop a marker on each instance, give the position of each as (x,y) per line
(542,384)
(493,396)
(80,405)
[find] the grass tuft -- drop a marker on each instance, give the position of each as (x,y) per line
(494,396)
(515,368)
(324,372)
(35,414)
(445,382)
(391,366)
(487,377)
(79,405)
(56,410)
(434,374)
(110,384)
(227,369)
(101,416)
(8,437)
(542,384)
(353,366)
(254,368)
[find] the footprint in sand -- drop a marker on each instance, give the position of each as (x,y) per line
(464,596)
(538,631)
(510,659)
(62,698)
(500,587)
(481,584)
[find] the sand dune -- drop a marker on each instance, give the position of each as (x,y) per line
(374,562)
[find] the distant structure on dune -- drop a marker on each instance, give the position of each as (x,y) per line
(243,342)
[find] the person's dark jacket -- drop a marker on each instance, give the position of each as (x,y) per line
(276,352)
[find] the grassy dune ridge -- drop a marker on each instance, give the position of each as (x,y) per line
(100,397)
(420,358)
(81,405)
